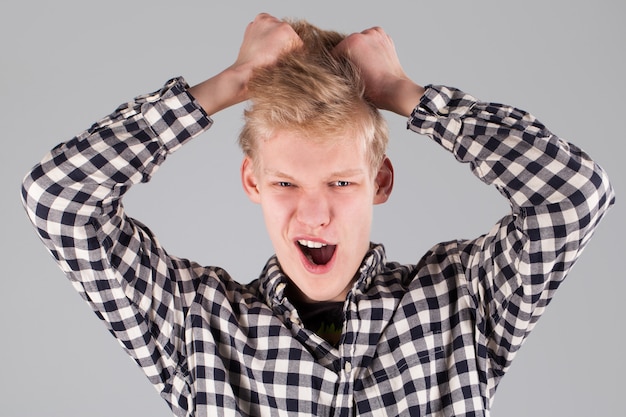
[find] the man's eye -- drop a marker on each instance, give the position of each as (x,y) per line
(341,183)
(284,184)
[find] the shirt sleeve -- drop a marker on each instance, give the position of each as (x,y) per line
(73,198)
(557,196)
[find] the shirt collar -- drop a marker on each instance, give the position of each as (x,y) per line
(372,265)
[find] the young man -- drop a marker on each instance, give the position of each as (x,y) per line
(330,327)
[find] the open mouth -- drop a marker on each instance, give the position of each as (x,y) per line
(316,252)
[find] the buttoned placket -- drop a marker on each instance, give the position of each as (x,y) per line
(344,401)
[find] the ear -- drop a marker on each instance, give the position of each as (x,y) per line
(383,182)
(249,180)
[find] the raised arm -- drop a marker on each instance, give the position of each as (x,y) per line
(74,199)
(557,193)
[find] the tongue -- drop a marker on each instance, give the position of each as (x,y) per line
(321,256)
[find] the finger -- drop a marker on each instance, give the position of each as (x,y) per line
(376,29)
(264,16)
(377,32)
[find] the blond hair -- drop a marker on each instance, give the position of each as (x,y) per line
(313,93)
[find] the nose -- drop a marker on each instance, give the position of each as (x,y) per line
(313,210)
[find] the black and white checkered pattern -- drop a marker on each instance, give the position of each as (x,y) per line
(427,339)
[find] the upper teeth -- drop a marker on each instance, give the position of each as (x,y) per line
(311,244)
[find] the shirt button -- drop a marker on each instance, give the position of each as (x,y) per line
(347,367)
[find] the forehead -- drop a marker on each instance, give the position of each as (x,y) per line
(295,151)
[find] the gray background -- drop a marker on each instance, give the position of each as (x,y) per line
(66,63)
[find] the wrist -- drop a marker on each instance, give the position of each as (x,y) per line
(223,90)
(403,96)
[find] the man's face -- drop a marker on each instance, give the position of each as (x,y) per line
(317,199)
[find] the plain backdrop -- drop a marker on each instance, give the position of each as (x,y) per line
(64,64)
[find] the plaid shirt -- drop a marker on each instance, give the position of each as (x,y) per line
(427,339)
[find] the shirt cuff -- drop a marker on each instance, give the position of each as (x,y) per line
(439,114)
(173,114)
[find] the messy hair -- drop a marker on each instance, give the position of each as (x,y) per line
(313,93)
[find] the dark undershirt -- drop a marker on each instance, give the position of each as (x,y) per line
(323,318)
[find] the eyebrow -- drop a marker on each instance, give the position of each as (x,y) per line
(344,173)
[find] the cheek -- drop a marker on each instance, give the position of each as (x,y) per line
(355,215)
(277,214)
(355,206)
